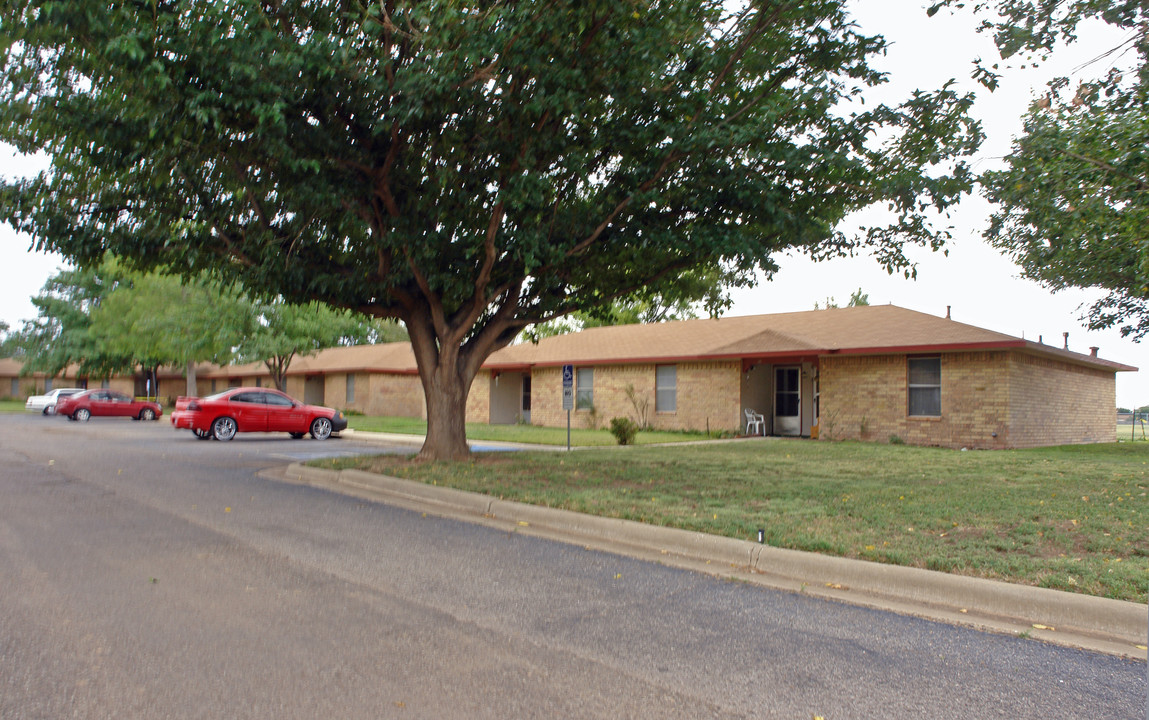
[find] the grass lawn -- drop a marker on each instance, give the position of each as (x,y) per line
(580,436)
(11,406)
(1073,518)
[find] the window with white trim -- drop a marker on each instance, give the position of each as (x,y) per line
(666,388)
(584,389)
(350,388)
(925,387)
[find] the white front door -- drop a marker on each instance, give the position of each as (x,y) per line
(787,401)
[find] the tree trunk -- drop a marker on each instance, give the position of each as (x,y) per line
(191,389)
(446,394)
(449,352)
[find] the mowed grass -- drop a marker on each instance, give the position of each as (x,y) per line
(1073,518)
(580,436)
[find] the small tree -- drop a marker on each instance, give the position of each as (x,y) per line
(60,335)
(279,331)
(159,320)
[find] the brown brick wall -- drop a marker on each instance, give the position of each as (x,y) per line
(479,398)
(1055,403)
(398,395)
(993,399)
(707,396)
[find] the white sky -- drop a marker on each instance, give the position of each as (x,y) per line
(982,286)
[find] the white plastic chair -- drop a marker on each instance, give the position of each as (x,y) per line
(755,420)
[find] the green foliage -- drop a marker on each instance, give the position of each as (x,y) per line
(61,333)
(1073,199)
(857,299)
(470,169)
(624,429)
(277,331)
(160,320)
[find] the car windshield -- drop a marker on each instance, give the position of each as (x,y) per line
(217,396)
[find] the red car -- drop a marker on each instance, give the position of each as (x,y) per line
(252,409)
(106,403)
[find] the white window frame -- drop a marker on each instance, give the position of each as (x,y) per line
(666,388)
(584,388)
(918,388)
(350,392)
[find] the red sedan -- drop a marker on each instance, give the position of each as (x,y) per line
(251,409)
(106,403)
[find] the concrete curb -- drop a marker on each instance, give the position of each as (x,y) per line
(1100,624)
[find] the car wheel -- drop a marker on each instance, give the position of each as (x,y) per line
(147,414)
(45,411)
(223,429)
(298,436)
(321,428)
(202,434)
(82,415)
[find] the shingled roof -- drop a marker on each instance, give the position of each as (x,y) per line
(870,330)
(395,358)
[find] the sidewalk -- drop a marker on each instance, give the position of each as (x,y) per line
(1098,624)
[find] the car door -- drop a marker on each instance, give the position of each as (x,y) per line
(283,415)
(119,405)
(250,411)
(102,403)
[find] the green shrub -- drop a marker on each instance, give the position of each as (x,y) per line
(624,429)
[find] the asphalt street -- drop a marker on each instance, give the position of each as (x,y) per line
(147,574)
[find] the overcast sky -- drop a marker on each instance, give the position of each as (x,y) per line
(982,286)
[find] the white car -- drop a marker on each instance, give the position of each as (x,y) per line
(46,404)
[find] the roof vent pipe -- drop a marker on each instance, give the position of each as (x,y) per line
(1093,350)
(948,313)
(1066,336)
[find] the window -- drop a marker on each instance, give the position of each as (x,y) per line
(276,400)
(47,385)
(584,389)
(925,387)
(350,388)
(666,388)
(15,387)
(259,382)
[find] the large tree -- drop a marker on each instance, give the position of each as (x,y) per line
(1073,197)
(468,168)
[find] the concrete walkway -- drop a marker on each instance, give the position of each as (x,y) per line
(1098,624)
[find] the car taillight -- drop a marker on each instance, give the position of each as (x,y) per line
(193,406)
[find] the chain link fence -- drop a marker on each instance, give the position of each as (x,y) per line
(1133,425)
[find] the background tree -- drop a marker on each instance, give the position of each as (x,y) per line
(162,320)
(1073,199)
(470,169)
(697,289)
(60,335)
(857,299)
(278,332)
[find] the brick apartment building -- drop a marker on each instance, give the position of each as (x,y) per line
(879,373)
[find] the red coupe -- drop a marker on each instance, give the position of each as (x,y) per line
(251,409)
(106,403)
